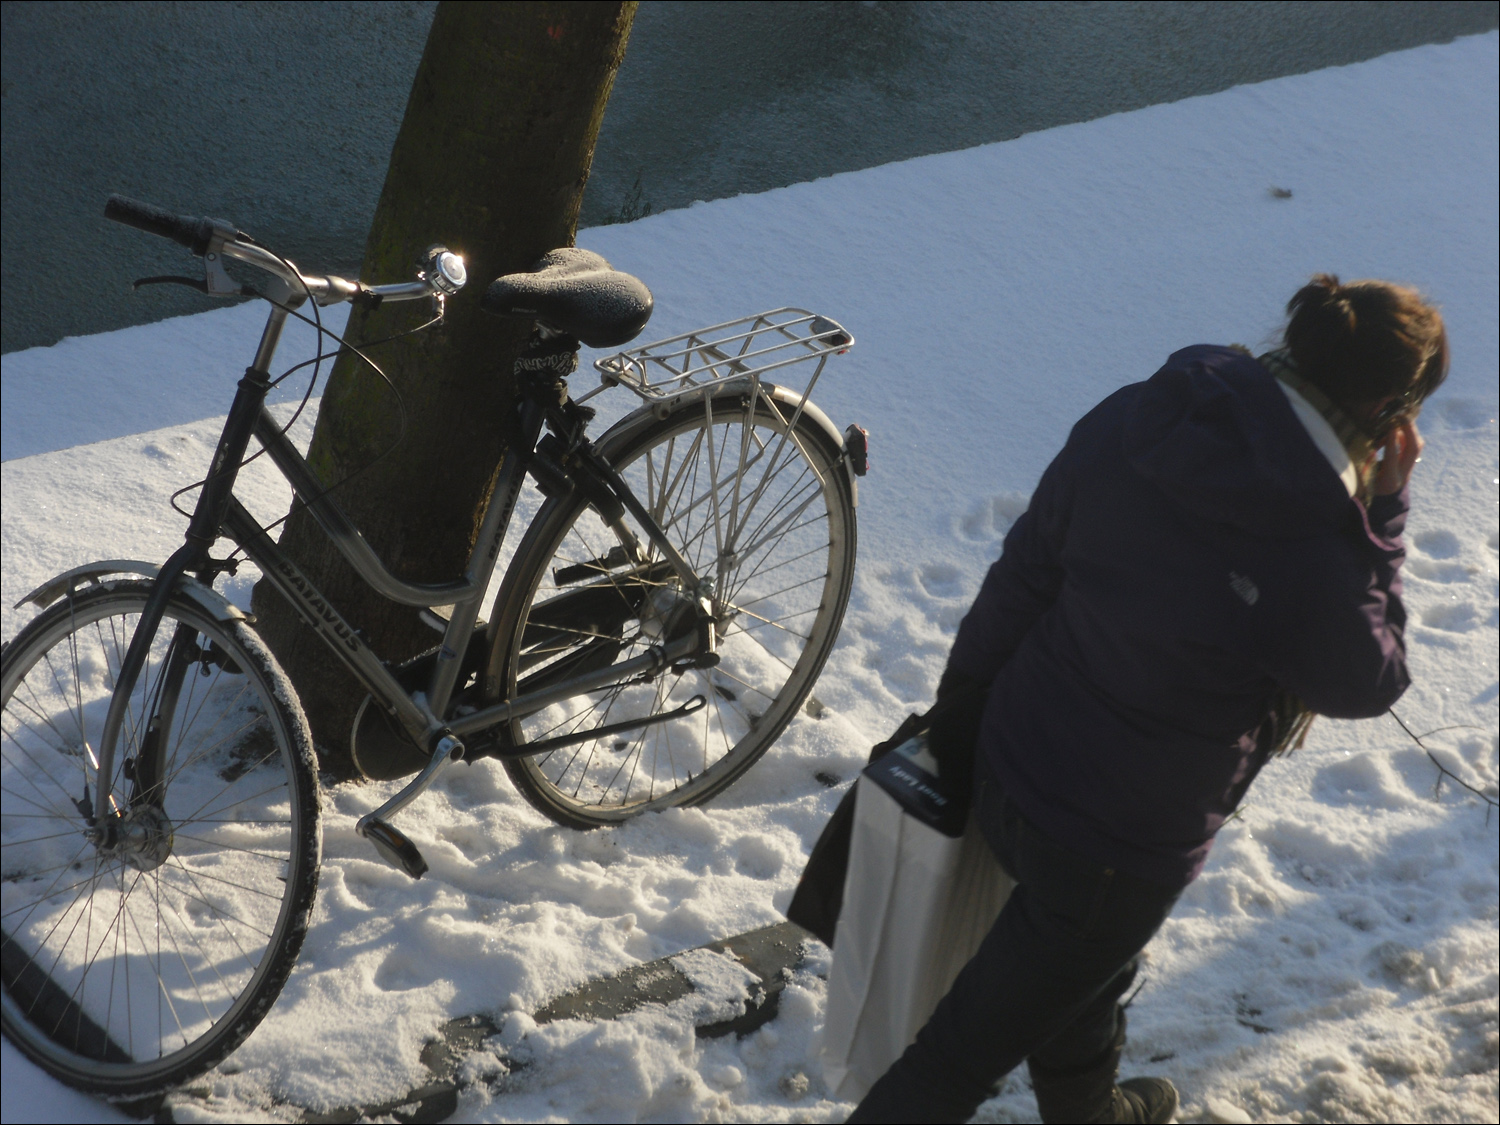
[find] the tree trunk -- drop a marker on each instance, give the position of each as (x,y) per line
(491,160)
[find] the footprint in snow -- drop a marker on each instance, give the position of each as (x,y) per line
(1463,413)
(401,971)
(991,518)
(1438,570)
(936,579)
(1452,617)
(941,580)
(1438,556)
(1438,544)
(757,857)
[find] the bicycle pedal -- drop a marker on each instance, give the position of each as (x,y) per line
(393,847)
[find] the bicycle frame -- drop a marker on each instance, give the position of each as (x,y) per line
(218,512)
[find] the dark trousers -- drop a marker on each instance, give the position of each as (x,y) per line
(1044,985)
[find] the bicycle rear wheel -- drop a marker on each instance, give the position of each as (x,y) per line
(130,967)
(762,507)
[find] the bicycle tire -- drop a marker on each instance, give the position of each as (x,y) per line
(780,599)
(130,970)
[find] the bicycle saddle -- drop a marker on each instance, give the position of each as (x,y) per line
(575,292)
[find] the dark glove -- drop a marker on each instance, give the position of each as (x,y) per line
(952,726)
(954,731)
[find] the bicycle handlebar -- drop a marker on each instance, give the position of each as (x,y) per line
(443,274)
(186,230)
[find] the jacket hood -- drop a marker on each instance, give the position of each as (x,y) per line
(1214,432)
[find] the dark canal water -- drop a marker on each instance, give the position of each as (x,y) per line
(280,116)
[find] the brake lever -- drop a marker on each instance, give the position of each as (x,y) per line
(171,279)
(192,283)
(215,282)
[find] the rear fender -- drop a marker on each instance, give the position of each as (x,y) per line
(789,400)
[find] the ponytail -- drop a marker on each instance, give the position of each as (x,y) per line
(1366,341)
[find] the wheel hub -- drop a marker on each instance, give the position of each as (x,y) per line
(143,838)
(667,615)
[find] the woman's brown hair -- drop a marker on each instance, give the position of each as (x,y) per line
(1366,341)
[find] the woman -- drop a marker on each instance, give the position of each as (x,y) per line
(1210,560)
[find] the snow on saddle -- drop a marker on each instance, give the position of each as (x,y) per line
(575,292)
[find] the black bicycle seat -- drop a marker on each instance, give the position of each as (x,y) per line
(576,292)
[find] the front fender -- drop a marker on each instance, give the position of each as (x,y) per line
(94,573)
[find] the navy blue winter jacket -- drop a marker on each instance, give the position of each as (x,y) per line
(1189,553)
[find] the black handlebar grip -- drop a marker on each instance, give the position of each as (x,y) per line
(187,230)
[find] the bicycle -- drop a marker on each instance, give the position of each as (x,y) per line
(660,624)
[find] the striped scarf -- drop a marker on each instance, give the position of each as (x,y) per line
(1358,444)
(1288,719)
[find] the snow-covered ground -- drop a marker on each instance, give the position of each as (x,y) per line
(1338,959)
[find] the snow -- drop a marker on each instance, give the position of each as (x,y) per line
(1338,958)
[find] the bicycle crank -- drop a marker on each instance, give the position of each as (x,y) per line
(393,845)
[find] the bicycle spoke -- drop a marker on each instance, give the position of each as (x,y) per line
(32,706)
(746,684)
(222,846)
(238,886)
(218,912)
(201,752)
(767,622)
(192,818)
(52,890)
(163,925)
(742,606)
(62,948)
(161,989)
(57,814)
(39,839)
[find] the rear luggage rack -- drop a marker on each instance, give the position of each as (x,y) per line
(737,349)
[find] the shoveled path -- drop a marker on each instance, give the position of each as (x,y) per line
(771,954)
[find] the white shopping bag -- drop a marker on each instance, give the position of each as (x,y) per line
(917,904)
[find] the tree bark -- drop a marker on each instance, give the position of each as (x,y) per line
(491,160)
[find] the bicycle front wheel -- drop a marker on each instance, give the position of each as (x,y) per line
(136,962)
(764,508)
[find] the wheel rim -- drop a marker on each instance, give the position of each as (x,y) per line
(777,540)
(140,958)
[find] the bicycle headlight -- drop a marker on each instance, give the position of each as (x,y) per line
(444,270)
